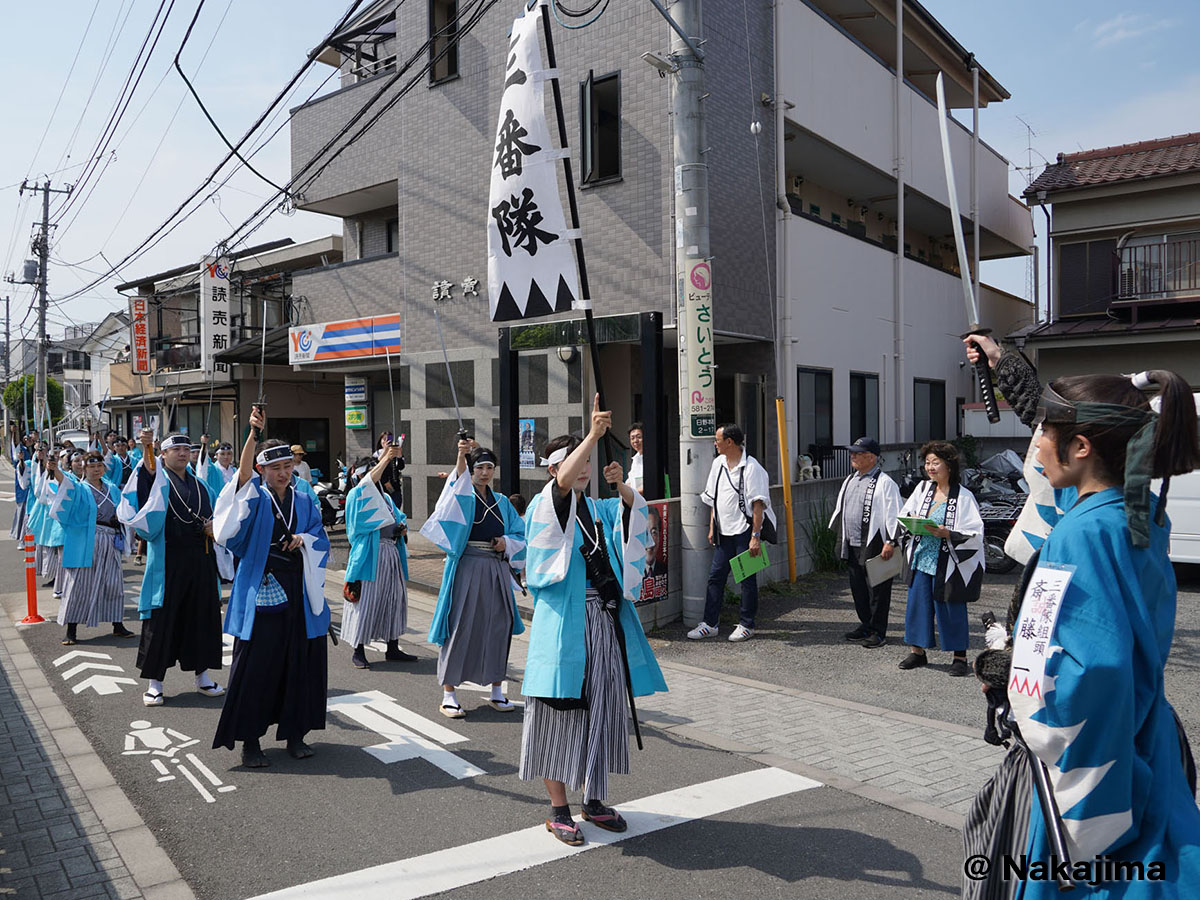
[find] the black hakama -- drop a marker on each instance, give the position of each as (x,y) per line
(186,629)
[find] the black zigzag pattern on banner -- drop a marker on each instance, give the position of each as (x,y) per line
(537,306)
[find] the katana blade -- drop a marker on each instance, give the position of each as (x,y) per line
(462,432)
(982,373)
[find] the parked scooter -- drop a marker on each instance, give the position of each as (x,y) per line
(999,516)
(332,500)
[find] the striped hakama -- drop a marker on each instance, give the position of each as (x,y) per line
(17,532)
(381,613)
(96,594)
(480,622)
(581,747)
(49,561)
(997,825)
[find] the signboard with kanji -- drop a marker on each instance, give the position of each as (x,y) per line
(696,341)
(214,316)
(139,335)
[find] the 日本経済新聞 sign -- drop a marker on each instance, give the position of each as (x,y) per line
(139,335)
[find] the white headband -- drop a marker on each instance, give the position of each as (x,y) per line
(177,440)
(1141,380)
(554,458)
(273,455)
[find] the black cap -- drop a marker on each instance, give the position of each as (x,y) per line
(865,445)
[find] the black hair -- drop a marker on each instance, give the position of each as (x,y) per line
(519,503)
(569,441)
(1176,445)
(733,432)
(946,452)
(637,426)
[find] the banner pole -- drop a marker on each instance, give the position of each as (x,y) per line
(786,468)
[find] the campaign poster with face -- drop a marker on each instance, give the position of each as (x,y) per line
(654,581)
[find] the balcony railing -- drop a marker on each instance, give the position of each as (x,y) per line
(177,352)
(1165,271)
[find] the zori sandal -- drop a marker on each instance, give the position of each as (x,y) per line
(565,830)
(604,817)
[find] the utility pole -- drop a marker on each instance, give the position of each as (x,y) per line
(41,247)
(693,273)
(7,355)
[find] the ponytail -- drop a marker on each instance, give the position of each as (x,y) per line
(1176,442)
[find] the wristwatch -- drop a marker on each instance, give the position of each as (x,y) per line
(757,534)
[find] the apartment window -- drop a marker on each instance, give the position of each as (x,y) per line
(864,406)
(443,40)
(393,236)
(1087,277)
(929,410)
(814,404)
(600,121)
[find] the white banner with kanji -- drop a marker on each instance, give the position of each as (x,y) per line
(531,262)
(215,314)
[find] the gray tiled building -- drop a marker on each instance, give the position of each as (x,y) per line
(413,195)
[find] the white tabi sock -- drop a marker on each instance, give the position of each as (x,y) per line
(449,698)
(497,694)
(156,687)
(203,679)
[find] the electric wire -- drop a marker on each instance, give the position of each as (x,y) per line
(557,7)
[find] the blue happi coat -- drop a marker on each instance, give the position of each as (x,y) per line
(21,461)
(74,508)
(368,509)
(557,578)
(37,512)
(243,521)
(1098,717)
(51,531)
(450,529)
(149,521)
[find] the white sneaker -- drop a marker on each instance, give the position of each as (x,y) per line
(741,633)
(702,631)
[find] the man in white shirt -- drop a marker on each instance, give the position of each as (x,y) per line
(300,467)
(739,493)
(635,479)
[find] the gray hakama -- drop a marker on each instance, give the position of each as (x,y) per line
(96,594)
(17,532)
(381,613)
(480,621)
(49,562)
(582,747)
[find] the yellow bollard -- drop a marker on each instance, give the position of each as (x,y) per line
(786,468)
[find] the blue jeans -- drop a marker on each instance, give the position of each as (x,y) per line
(726,549)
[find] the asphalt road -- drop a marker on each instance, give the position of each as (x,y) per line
(799,644)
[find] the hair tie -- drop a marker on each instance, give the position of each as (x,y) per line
(1141,380)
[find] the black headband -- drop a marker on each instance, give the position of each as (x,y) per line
(484,456)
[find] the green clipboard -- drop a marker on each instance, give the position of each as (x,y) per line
(918,526)
(744,565)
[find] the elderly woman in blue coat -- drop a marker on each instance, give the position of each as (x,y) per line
(376,607)
(586,646)
(476,614)
(277,611)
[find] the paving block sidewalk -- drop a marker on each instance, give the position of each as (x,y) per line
(52,842)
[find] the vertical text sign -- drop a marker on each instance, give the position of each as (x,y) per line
(214,314)
(699,391)
(139,335)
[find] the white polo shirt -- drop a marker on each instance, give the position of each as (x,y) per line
(722,490)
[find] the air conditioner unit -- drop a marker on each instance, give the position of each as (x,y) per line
(1127,283)
(794,183)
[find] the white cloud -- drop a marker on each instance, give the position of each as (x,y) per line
(1124,27)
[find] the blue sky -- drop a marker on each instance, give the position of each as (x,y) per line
(1081,74)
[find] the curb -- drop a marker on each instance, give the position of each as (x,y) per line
(147,863)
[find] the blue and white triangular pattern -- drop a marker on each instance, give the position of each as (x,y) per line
(128,512)
(633,548)
(232,509)
(375,510)
(449,522)
(548,541)
(66,491)
(1039,514)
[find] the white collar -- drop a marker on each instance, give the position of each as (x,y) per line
(741,462)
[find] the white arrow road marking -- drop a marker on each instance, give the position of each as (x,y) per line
(380,713)
(101,684)
(445,870)
(84,666)
(77,654)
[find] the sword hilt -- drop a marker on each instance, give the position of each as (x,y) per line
(261,405)
(983,376)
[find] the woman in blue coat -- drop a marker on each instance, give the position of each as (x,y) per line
(93,586)
(376,607)
(1089,646)
(476,614)
(586,645)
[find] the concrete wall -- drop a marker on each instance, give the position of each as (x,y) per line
(843,319)
(846,97)
(1181,355)
(1118,208)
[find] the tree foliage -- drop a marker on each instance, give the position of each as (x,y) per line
(18,399)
